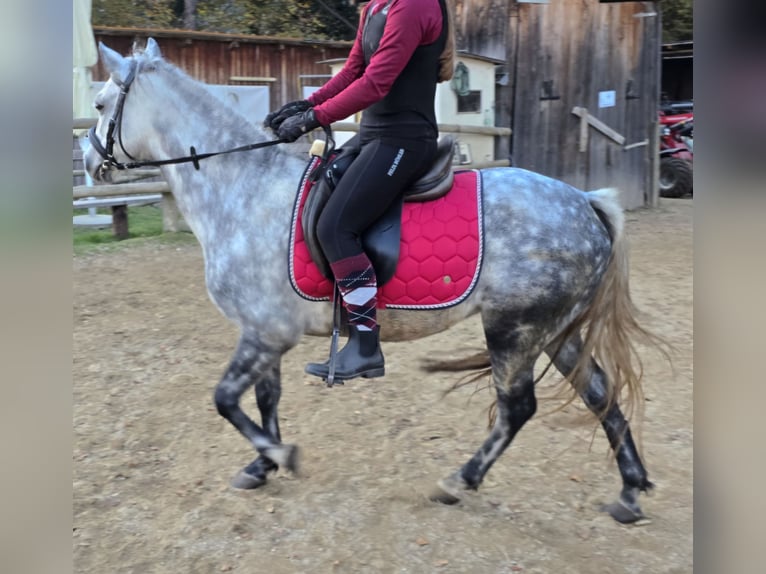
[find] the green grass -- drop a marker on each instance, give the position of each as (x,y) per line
(144,224)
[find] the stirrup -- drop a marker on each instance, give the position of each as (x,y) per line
(332,360)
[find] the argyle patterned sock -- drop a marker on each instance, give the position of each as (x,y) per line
(359,289)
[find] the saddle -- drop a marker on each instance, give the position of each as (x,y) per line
(381,240)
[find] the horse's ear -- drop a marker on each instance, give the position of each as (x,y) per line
(114,63)
(152,49)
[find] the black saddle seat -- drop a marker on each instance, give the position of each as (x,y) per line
(437,181)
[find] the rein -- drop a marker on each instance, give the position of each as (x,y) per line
(115,124)
(193,157)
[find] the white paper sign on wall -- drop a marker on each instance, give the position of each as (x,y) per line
(606,99)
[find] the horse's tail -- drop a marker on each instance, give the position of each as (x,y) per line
(606,203)
(609,325)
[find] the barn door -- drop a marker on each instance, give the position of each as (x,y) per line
(586,94)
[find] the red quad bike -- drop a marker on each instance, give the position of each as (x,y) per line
(676,155)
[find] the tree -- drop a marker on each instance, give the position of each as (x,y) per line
(320,19)
(190,14)
(311,19)
(340,14)
(228,16)
(677,20)
(133,13)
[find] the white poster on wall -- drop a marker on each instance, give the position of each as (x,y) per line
(250,101)
(607,99)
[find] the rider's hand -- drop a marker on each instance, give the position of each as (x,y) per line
(294,127)
(275,119)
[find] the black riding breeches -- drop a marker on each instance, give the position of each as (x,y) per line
(380,174)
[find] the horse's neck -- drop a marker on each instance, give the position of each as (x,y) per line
(239,193)
(249,194)
(187,115)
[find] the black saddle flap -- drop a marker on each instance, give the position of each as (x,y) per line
(320,191)
(381,242)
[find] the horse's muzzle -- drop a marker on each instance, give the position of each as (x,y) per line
(98,169)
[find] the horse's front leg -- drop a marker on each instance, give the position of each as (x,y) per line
(268,391)
(255,363)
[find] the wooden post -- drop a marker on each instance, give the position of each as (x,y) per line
(583,113)
(172,220)
(120,221)
(584,131)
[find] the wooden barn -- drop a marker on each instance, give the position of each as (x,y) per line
(283,65)
(577,81)
(579,87)
(678,72)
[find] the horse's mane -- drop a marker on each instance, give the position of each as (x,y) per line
(146,63)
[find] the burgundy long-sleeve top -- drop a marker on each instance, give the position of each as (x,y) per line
(410,23)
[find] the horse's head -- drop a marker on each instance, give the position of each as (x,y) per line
(113,140)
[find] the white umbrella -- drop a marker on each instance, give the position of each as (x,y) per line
(84,56)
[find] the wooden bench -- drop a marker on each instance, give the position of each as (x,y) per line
(125,191)
(119,196)
(116,201)
(119,207)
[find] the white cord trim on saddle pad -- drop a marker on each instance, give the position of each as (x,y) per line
(291,251)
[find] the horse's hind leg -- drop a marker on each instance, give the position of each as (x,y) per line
(634,476)
(253,363)
(512,375)
(515,406)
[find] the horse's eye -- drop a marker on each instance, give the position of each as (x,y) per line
(98,106)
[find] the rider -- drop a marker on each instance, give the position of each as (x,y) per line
(403,48)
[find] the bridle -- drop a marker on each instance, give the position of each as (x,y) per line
(115,125)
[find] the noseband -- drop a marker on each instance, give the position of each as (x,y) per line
(115,124)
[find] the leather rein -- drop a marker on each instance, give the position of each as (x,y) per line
(115,125)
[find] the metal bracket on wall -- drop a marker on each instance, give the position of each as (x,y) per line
(635,145)
(587,119)
(547,91)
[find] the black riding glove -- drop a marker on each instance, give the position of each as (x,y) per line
(294,127)
(275,119)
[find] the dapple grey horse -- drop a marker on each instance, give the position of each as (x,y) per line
(554,277)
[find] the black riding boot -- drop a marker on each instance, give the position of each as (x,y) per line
(360,357)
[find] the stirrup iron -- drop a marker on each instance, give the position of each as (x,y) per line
(335,336)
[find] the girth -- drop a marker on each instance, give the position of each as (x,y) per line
(381,240)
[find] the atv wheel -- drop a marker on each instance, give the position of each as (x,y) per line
(676,178)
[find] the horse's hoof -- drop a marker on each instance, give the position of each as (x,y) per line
(284,455)
(246,481)
(292,462)
(623,513)
(444,493)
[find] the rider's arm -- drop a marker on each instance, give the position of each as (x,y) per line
(351,70)
(409,24)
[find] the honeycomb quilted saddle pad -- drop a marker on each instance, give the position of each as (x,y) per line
(440,252)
